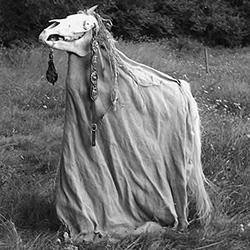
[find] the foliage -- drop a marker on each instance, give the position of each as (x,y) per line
(24,19)
(140,23)
(220,22)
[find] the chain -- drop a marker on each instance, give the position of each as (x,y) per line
(93,85)
(93,74)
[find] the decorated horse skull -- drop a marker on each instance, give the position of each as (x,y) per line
(131,144)
(72,34)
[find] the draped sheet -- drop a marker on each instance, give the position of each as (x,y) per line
(134,179)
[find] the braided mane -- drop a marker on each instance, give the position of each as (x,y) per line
(105,39)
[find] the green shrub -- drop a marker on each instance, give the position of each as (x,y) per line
(212,22)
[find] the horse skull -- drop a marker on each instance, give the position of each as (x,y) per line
(71,34)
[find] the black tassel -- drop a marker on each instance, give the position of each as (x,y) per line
(51,73)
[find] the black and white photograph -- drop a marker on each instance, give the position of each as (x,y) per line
(125,125)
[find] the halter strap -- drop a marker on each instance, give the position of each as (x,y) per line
(93,85)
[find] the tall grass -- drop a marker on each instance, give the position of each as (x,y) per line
(31,116)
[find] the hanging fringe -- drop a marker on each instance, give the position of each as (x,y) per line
(51,73)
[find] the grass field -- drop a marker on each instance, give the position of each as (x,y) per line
(31,116)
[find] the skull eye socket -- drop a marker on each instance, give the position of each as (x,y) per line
(86,25)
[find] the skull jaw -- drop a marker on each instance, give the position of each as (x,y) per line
(80,47)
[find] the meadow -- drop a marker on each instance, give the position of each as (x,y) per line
(31,118)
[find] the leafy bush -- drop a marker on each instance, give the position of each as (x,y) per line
(137,23)
(23,20)
(221,22)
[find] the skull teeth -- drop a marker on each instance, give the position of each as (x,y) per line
(64,38)
(71,39)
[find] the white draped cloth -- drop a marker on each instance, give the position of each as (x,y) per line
(134,179)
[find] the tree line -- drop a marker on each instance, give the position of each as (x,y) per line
(212,22)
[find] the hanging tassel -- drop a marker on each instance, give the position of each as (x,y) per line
(93,132)
(51,73)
